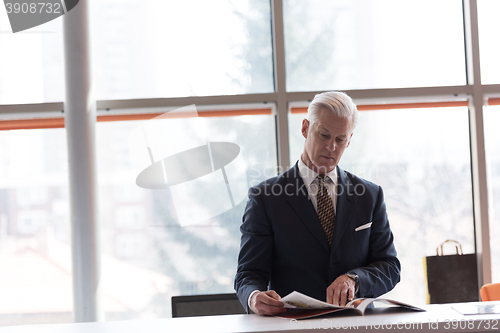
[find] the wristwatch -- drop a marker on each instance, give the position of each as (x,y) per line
(355,277)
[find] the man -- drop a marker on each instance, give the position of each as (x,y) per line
(316,228)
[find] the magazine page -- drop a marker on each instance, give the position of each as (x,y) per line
(313,307)
(302,307)
(397,303)
(296,300)
(360,303)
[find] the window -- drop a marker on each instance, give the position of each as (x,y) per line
(130,217)
(181,48)
(128,194)
(29,222)
(492,137)
(31,63)
(35,254)
(490,51)
(373,44)
(175,251)
(32,196)
(130,245)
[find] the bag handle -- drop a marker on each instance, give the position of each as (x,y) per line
(457,245)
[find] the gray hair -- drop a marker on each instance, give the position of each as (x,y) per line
(337,102)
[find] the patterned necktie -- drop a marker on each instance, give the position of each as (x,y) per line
(326,212)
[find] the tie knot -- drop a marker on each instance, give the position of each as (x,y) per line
(321,179)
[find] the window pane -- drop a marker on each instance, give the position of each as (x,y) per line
(359,44)
(492,117)
(421,158)
(168,241)
(35,254)
(487,11)
(181,48)
(31,63)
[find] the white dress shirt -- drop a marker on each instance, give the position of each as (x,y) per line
(311,181)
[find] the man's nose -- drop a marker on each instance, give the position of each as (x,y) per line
(331,146)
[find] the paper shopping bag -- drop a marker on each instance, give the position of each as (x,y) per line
(451,278)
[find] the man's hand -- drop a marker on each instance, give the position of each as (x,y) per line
(341,291)
(267,303)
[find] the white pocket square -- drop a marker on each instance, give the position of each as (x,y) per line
(364,226)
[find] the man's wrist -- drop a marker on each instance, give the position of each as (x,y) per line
(355,278)
(252,294)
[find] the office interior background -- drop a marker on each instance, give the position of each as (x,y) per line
(425,75)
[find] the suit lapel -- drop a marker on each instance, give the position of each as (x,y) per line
(303,207)
(346,202)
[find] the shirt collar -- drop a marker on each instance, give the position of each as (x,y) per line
(308,175)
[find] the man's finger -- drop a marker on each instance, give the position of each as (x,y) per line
(343,297)
(329,295)
(273,294)
(336,296)
(271,310)
(270,299)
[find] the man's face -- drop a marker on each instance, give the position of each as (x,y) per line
(326,141)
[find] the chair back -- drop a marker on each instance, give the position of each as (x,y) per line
(206,305)
(490,292)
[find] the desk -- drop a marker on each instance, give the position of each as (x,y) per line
(437,318)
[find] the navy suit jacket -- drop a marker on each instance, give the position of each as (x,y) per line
(284,248)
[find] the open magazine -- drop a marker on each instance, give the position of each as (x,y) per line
(307,307)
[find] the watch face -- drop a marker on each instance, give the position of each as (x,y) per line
(353,276)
